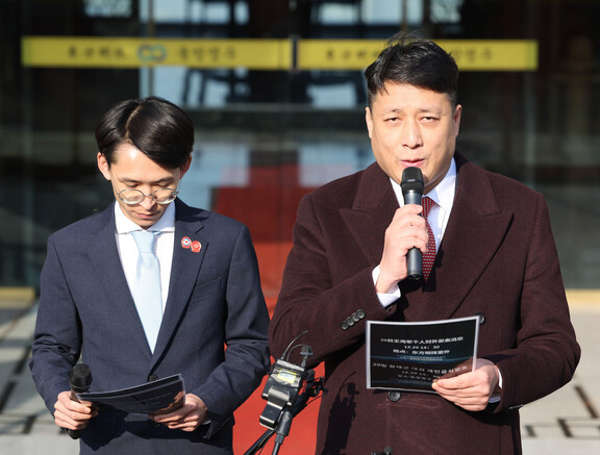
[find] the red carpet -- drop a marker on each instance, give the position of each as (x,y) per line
(268,207)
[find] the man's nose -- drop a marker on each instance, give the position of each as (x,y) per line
(148,201)
(411,136)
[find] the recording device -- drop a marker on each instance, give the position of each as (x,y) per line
(287,392)
(281,390)
(412,190)
(80,380)
(284,384)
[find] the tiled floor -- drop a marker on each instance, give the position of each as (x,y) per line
(566,422)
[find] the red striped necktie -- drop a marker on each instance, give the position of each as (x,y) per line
(429,257)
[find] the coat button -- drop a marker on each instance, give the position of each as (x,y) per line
(350,321)
(361,314)
(481,318)
(394,395)
(355,317)
(344,325)
(152,377)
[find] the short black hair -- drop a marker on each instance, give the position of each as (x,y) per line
(421,63)
(157,127)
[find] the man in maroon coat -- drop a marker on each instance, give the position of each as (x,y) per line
(495,256)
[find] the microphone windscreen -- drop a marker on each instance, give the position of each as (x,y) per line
(81,377)
(412,180)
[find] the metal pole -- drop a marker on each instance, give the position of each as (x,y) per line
(151,32)
(28,226)
(530,106)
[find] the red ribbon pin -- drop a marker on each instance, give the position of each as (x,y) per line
(196,246)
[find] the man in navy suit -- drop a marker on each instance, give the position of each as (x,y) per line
(200,292)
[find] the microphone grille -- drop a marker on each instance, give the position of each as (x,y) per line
(412,180)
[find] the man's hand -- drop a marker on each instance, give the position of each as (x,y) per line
(187,417)
(407,230)
(71,414)
(472,390)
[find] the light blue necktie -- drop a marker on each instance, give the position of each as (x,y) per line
(146,289)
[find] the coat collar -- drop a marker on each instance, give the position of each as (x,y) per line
(104,255)
(372,211)
(475,231)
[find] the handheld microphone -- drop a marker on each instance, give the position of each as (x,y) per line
(80,380)
(412,190)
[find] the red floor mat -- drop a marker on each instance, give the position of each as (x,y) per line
(268,207)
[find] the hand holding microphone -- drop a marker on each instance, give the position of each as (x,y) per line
(69,413)
(405,237)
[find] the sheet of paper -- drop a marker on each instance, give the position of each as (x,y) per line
(155,397)
(409,355)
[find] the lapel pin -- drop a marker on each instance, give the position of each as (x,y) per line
(196,246)
(186,242)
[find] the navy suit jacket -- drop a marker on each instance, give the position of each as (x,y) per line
(214,300)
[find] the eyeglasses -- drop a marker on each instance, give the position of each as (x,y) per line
(161,196)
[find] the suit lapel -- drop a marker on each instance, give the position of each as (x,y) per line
(371,213)
(474,233)
(105,257)
(184,271)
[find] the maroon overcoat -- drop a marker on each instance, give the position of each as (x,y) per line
(497,258)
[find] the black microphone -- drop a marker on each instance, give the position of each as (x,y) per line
(412,191)
(80,380)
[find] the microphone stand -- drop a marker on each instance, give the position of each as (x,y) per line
(313,388)
(260,442)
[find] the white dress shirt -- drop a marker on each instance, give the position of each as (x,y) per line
(443,196)
(163,246)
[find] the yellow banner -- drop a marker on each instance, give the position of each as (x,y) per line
(470,55)
(259,54)
(88,52)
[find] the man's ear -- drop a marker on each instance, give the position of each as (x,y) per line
(456,117)
(369,120)
(104,166)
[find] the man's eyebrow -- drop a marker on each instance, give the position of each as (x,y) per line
(397,110)
(162,181)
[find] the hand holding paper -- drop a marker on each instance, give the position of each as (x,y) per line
(471,390)
(187,417)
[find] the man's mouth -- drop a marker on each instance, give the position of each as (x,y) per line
(413,162)
(146,215)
